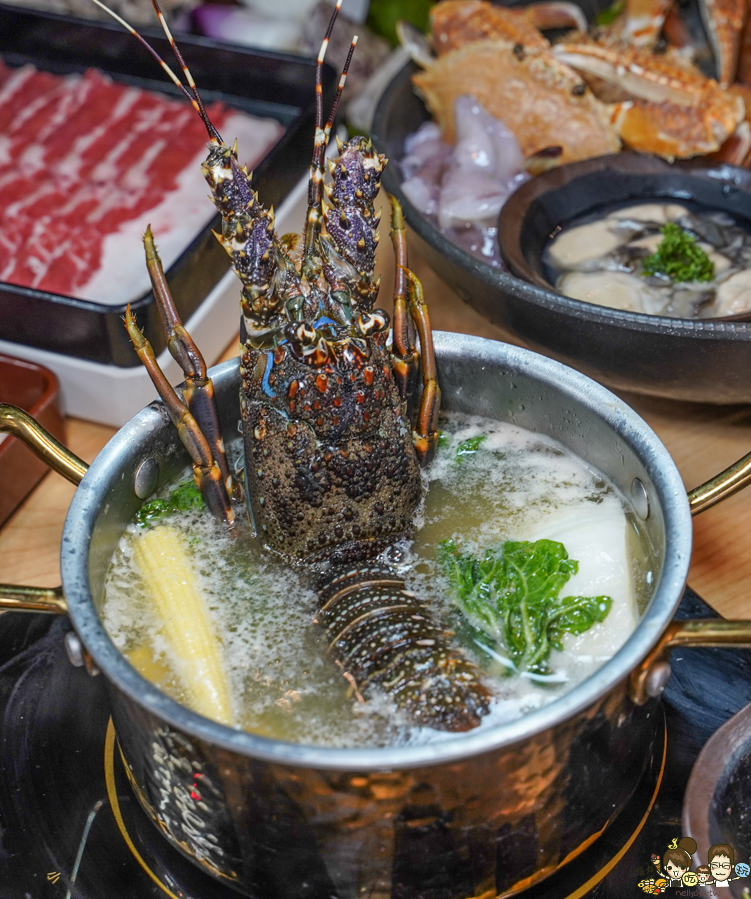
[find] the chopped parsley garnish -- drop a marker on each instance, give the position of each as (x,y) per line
(679,257)
(509,599)
(184,498)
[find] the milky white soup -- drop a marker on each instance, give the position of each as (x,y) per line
(516,486)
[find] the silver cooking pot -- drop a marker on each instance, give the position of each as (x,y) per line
(508,805)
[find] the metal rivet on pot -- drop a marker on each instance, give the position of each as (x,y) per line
(145,478)
(657,679)
(74,649)
(639,499)
(78,656)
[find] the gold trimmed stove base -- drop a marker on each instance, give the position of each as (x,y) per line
(109,776)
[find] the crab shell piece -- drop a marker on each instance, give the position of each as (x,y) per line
(737,148)
(675,112)
(543,102)
(670,130)
(454,23)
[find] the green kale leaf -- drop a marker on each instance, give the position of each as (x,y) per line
(469,447)
(511,597)
(679,257)
(184,498)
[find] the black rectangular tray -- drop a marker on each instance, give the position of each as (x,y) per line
(262,83)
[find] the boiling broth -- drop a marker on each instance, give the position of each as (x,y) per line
(516,485)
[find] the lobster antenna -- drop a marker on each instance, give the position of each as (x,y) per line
(151,50)
(201,109)
(339,89)
(315,181)
(319,82)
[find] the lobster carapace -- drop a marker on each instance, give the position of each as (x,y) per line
(333,445)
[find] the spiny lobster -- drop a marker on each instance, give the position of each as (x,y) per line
(331,458)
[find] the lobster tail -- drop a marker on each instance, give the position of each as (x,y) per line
(384,637)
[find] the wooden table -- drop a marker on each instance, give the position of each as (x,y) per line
(702,440)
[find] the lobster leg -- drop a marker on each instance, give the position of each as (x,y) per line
(206,472)
(425,432)
(404,355)
(199,389)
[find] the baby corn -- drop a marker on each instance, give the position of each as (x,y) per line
(167,573)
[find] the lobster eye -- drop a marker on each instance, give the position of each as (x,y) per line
(301,335)
(370,323)
(305,335)
(290,333)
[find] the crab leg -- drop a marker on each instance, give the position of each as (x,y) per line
(643,21)
(199,389)
(556,14)
(404,355)
(723,20)
(425,432)
(206,472)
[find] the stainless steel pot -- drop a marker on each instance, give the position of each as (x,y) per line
(504,807)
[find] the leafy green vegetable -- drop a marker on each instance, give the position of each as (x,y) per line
(384,14)
(183,498)
(609,15)
(679,257)
(443,439)
(470,447)
(511,596)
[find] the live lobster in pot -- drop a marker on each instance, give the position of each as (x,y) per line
(333,440)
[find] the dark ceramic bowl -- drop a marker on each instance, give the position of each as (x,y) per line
(548,202)
(715,807)
(701,360)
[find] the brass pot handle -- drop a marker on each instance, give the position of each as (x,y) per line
(651,676)
(721,486)
(20,424)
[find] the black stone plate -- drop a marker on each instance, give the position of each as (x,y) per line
(702,361)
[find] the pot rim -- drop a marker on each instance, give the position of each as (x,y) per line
(669,487)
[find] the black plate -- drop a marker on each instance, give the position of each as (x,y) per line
(257,82)
(703,361)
